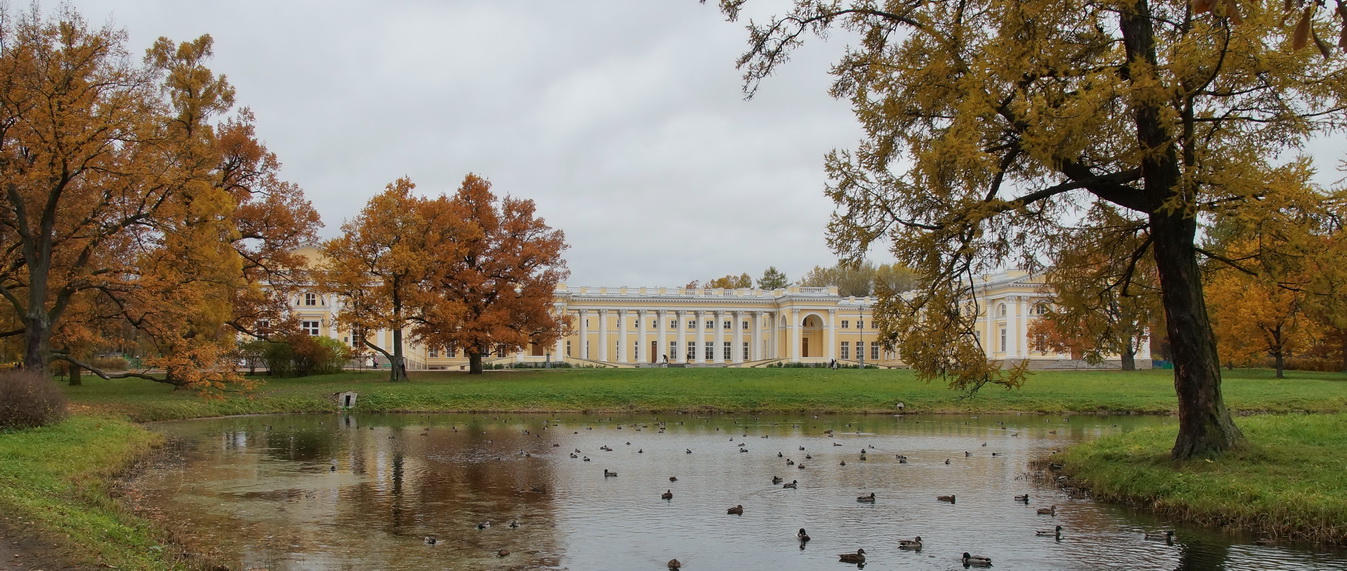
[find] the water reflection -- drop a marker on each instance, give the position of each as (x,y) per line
(366,492)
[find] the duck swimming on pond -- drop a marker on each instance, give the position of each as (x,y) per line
(790,486)
(914,543)
(949,498)
(867,499)
(1024,498)
(675,564)
(736,510)
(857,557)
(976,560)
(1048,511)
(777,479)
(668,495)
(1049,532)
(801,535)
(1165,536)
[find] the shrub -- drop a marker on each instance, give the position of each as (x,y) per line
(29,400)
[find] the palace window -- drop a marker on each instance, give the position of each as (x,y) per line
(874,351)
(744,325)
(1001,310)
(673,324)
(310,327)
(1041,309)
(1003,339)
(710,324)
(727,324)
(846,349)
(691,351)
(310,299)
(568,348)
(745,354)
(708,351)
(860,324)
(846,324)
(355,340)
(434,353)
(452,351)
(692,325)
(673,349)
(728,348)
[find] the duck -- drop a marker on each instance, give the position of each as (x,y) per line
(484,525)
(502,553)
(1049,532)
(857,557)
(802,536)
(675,564)
(842,463)
(609,474)
(790,486)
(947,461)
(914,543)
(673,478)
(949,498)
(777,479)
(1165,536)
(668,495)
(430,540)
(1048,511)
(867,499)
(976,560)
(514,524)
(1024,498)
(736,510)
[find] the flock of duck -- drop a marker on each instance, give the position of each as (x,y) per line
(859,557)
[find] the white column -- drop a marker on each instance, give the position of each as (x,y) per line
(641,348)
(830,334)
(699,353)
(755,346)
(718,352)
(794,327)
(663,342)
(603,335)
(623,352)
(559,350)
(584,335)
(1013,328)
(682,356)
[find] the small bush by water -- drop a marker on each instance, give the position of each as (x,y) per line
(29,400)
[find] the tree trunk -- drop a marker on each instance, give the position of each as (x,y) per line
(398,364)
(474,363)
(1279,362)
(1205,427)
(73,374)
(1129,358)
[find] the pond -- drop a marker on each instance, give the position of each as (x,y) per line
(530,492)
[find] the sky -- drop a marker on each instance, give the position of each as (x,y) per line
(624,121)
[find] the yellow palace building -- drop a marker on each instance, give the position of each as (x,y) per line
(712,327)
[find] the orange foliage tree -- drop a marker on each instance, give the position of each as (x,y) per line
(116,214)
(381,260)
(496,291)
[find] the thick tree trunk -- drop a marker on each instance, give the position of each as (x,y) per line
(1129,359)
(73,374)
(398,363)
(1205,427)
(474,363)
(1279,362)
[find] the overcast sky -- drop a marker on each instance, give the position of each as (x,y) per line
(624,120)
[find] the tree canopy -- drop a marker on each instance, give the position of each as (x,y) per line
(129,207)
(993,125)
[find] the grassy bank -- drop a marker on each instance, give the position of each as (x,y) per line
(730,390)
(54,483)
(1290,483)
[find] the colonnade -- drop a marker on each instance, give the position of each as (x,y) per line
(682,348)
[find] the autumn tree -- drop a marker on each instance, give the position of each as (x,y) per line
(379,264)
(1254,319)
(772,278)
(860,279)
(114,209)
(731,282)
(495,292)
(1104,294)
(991,123)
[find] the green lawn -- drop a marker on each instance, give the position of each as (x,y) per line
(763,390)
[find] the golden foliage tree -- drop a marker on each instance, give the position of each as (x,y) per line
(731,282)
(990,123)
(494,291)
(114,208)
(381,261)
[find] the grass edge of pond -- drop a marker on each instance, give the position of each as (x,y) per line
(1286,485)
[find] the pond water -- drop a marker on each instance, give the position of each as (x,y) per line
(366,491)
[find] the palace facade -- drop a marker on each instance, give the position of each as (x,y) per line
(659,326)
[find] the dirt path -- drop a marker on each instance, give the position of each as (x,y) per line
(23,551)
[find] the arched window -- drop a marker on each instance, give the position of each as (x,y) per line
(1041,309)
(1001,310)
